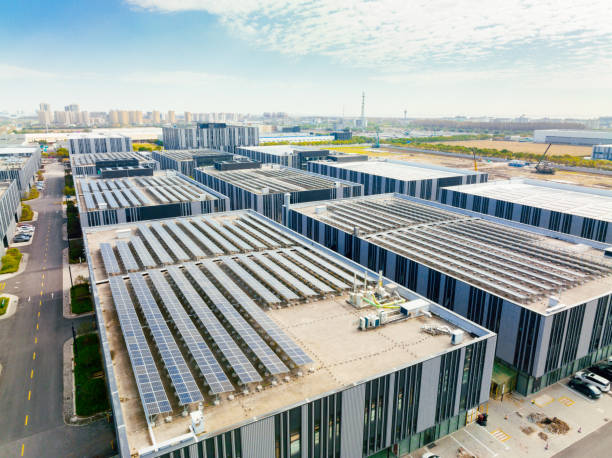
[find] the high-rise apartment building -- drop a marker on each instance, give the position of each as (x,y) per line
(113,117)
(44,114)
(124,117)
(155,117)
(218,136)
(188,117)
(136,117)
(61,118)
(171,117)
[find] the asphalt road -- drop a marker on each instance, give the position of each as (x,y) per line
(31,384)
(596,444)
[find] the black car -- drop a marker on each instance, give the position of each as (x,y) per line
(21,238)
(603,370)
(590,391)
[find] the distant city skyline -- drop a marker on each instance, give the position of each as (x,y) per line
(546,58)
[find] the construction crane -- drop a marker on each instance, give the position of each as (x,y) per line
(544,167)
(475,163)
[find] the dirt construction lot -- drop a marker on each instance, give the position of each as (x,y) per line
(526,147)
(496,170)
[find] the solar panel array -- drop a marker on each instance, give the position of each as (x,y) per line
(110,261)
(129,263)
(255,343)
(149,384)
(201,353)
(244,370)
(184,384)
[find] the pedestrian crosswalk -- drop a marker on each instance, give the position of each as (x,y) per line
(500,435)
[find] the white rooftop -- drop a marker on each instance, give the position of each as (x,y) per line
(575,200)
(278,150)
(399,170)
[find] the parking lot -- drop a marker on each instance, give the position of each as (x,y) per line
(510,433)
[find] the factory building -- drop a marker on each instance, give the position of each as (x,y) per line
(575,210)
(385,175)
(263,187)
(228,335)
(98,143)
(602,152)
(572,137)
(548,300)
(10,209)
(92,164)
(140,198)
(21,167)
(185,161)
(219,136)
(287,155)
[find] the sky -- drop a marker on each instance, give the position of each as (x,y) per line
(310,57)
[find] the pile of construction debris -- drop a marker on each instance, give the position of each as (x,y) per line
(552,425)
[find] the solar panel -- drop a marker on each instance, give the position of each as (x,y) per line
(111,185)
(215,236)
(144,199)
(203,356)
(268,358)
(317,270)
(102,185)
(84,186)
(150,388)
(131,197)
(228,235)
(260,235)
(159,251)
(301,272)
(208,244)
(195,250)
(174,247)
(99,199)
(245,235)
(166,194)
(267,230)
(94,186)
(158,196)
(330,265)
(110,261)
(253,283)
(296,354)
(126,256)
(244,370)
(120,184)
(89,202)
(110,199)
(122,201)
(270,280)
(182,379)
(282,273)
(142,252)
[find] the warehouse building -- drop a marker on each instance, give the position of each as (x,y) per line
(549,300)
(116,201)
(228,335)
(98,143)
(602,152)
(386,175)
(10,209)
(213,135)
(91,164)
(572,137)
(263,187)
(21,167)
(576,210)
(288,155)
(185,161)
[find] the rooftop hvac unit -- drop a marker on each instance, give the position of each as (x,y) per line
(456,336)
(197,422)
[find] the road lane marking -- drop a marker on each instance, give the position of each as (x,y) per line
(41,293)
(43,276)
(480,442)
(39,314)
(35,340)
(500,435)
(32,373)
(33,355)
(40,302)
(29,394)
(22,449)
(37,326)
(26,421)
(567,402)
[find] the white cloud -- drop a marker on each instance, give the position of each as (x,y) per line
(387,33)
(177,78)
(13,72)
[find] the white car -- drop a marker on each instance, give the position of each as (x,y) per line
(594,379)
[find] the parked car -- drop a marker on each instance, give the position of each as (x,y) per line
(603,370)
(590,391)
(26,225)
(594,379)
(21,238)
(25,229)
(429,455)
